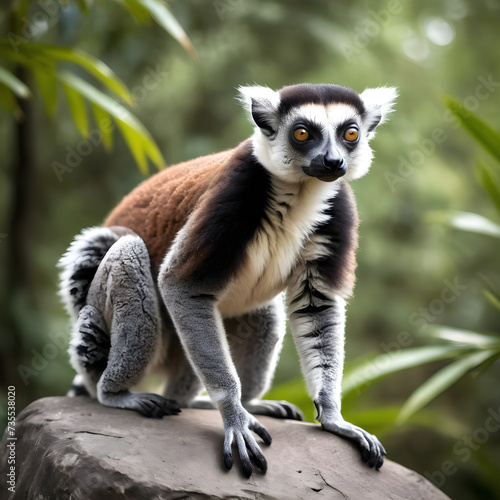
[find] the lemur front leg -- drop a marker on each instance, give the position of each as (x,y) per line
(200,328)
(317,318)
(255,340)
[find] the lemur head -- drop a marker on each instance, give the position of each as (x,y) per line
(320,131)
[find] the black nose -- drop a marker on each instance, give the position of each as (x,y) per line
(336,165)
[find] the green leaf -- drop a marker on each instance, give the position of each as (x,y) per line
(8,101)
(47,85)
(493,299)
(135,144)
(441,381)
(382,420)
(119,113)
(103,120)
(94,66)
(138,12)
(162,15)
(17,86)
(479,129)
(154,153)
(489,183)
(77,107)
(396,361)
(27,61)
(473,339)
(466,221)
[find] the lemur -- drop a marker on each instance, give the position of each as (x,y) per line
(206,247)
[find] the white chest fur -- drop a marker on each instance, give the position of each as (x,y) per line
(293,212)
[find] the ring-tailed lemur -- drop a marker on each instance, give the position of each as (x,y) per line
(197,256)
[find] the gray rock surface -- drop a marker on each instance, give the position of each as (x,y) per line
(74,448)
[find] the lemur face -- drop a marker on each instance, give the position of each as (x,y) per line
(320,131)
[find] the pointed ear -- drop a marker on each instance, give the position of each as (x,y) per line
(378,103)
(262,103)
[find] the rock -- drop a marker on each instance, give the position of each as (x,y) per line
(74,448)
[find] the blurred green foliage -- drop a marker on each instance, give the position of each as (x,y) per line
(413,272)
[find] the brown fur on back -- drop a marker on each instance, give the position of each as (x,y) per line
(158,208)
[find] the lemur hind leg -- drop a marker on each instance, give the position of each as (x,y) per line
(89,351)
(123,291)
(256,339)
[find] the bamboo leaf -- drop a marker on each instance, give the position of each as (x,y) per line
(474,223)
(138,12)
(493,299)
(44,72)
(8,101)
(47,85)
(490,184)
(103,120)
(479,129)
(135,145)
(395,361)
(473,339)
(441,381)
(77,108)
(154,153)
(15,85)
(380,420)
(29,62)
(162,15)
(94,66)
(466,221)
(118,112)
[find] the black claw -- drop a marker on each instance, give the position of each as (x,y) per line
(299,417)
(154,406)
(228,460)
(380,460)
(266,437)
(261,463)
(247,468)
(292,414)
(373,459)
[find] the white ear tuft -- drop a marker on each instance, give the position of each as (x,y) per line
(258,93)
(378,103)
(262,103)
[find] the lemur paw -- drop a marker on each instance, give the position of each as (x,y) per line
(276,409)
(237,425)
(155,406)
(148,404)
(372,451)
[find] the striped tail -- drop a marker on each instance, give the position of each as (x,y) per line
(79,265)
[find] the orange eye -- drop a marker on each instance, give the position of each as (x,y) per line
(351,134)
(301,134)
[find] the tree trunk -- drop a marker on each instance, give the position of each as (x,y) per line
(19,279)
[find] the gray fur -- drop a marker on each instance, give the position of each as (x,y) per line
(255,340)
(319,338)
